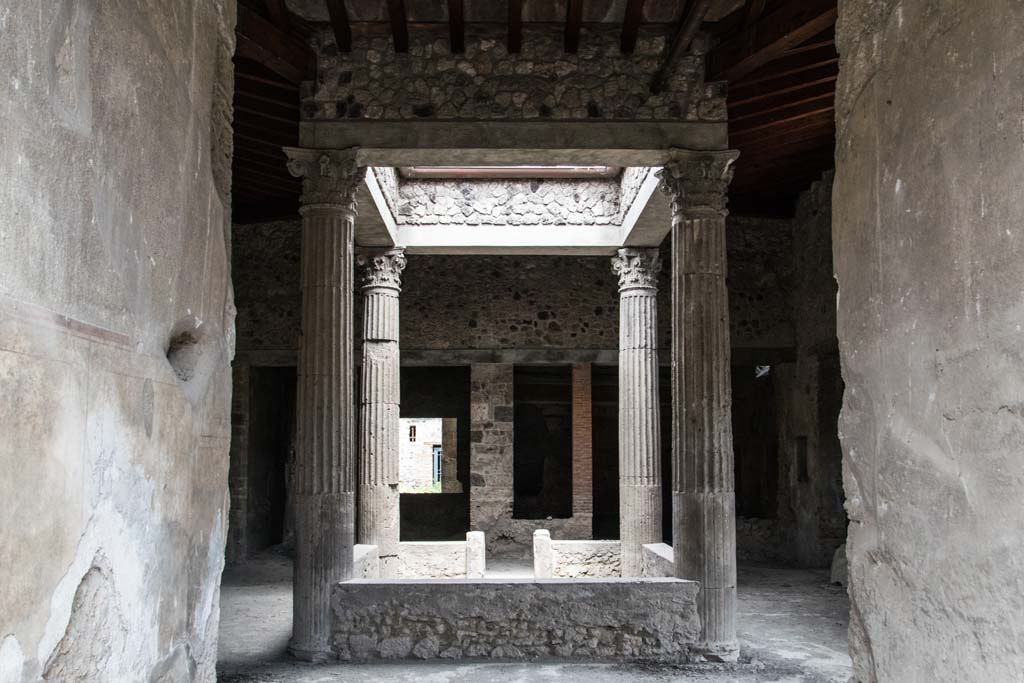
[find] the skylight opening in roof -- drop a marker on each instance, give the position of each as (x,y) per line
(508,172)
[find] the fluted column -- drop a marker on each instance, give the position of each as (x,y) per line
(325,457)
(703,494)
(639,430)
(379,407)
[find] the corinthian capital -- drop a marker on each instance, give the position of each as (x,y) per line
(637,268)
(698,181)
(382,268)
(329,176)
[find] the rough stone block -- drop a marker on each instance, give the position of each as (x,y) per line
(476,555)
(543,557)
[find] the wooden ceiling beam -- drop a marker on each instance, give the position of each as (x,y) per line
(399,25)
(770,38)
(264,43)
(456,26)
(680,43)
(278,11)
(795,97)
(788,66)
(755,8)
(515,26)
(573,23)
(340,25)
(783,128)
(631,25)
(744,93)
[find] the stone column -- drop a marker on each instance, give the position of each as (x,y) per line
(639,423)
(379,407)
(703,498)
(325,457)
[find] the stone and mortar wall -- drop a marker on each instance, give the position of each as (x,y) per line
(594,559)
(116,332)
(513,302)
(811,522)
(585,619)
(491,468)
(486,82)
(929,258)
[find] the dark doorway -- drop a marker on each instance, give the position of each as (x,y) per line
(755,441)
(271,446)
(542,443)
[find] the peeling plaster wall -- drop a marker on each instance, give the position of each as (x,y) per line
(116,330)
(929,258)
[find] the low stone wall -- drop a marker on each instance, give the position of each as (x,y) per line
(589,619)
(658,559)
(432,559)
(594,559)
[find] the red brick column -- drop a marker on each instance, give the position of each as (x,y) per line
(582,450)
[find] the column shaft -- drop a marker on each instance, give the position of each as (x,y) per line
(704,511)
(639,421)
(379,409)
(324,464)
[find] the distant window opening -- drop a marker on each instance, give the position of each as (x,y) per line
(542,442)
(429,459)
(438,451)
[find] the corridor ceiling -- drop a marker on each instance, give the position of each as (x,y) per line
(778,55)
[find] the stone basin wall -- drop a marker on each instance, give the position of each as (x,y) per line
(651,620)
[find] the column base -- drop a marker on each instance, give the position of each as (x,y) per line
(716,652)
(314,656)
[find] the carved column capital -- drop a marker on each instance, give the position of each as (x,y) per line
(698,181)
(382,268)
(637,268)
(330,177)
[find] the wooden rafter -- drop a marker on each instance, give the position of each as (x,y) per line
(339,24)
(755,8)
(259,40)
(770,38)
(631,25)
(278,11)
(456,26)
(680,43)
(515,26)
(573,22)
(399,25)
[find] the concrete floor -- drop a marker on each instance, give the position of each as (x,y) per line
(792,628)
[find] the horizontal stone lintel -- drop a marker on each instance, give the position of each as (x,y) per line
(482,143)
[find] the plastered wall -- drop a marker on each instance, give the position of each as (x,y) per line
(929,258)
(116,331)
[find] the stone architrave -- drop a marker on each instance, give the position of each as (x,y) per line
(639,421)
(325,455)
(380,396)
(703,495)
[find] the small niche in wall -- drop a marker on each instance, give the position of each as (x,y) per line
(802,473)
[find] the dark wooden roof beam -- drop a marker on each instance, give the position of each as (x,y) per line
(456,26)
(279,15)
(399,25)
(573,22)
(680,43)
(264,43)
(515,26)
(631,25)
(770,38)
(338,13)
